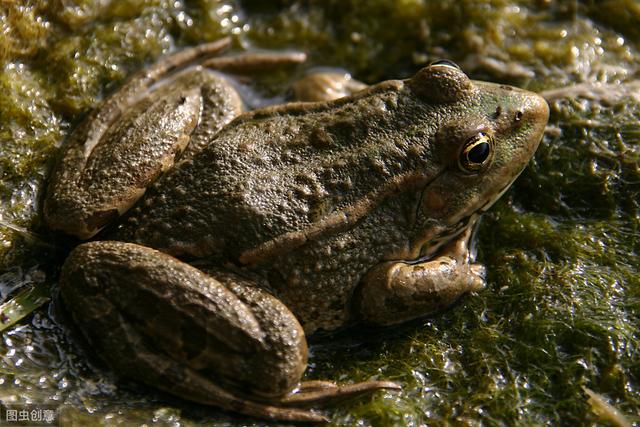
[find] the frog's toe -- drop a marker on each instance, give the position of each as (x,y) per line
(479,273)
(325,392)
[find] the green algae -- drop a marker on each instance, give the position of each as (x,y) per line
(561,309)
(28,300)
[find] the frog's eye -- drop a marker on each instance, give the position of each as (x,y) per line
(476,153)
(445,63)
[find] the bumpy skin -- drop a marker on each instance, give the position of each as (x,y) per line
(311,214)
(309,197)
(175,327)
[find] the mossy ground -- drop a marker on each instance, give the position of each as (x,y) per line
(562,308)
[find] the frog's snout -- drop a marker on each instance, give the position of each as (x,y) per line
(532,115)
(536,110)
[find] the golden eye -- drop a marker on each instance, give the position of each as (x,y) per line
(444,63)
(476,153)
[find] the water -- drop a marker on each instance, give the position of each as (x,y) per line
(561,309)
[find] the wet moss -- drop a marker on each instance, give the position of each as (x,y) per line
(23,29)
(563,299)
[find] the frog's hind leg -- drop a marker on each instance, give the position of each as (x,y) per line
(165,113)
(308,393)
(138,87)
(135,135)
(216,341)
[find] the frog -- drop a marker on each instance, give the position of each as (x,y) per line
(214,240)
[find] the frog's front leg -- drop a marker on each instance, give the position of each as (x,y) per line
(217,341)
(394,292)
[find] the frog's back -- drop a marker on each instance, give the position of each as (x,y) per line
(274,176)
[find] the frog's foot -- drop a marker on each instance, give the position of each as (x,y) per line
(255,62)
(394,292)
(192,385)
(326,86)
(218,341)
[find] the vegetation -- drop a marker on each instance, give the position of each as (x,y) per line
(560,317)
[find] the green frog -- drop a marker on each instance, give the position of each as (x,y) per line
(220,238)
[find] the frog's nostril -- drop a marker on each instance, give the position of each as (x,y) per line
(518,116)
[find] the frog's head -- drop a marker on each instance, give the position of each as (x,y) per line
(486,134)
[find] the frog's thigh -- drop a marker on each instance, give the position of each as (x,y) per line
(111,159)
(393,292)
(156,319)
